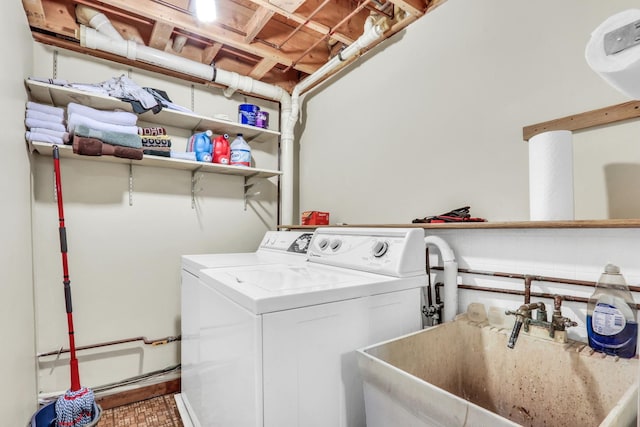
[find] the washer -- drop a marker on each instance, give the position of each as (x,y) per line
(274,345)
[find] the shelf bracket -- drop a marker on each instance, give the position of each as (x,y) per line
(194,180)
(247,187)
(130,184)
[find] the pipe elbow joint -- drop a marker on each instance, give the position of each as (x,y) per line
(445,250)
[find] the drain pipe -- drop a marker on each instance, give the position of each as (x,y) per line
(93,39)
(450,276)
(92,18)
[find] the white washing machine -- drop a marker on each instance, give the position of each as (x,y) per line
(276,343)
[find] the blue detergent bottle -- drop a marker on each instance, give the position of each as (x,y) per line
(612,325)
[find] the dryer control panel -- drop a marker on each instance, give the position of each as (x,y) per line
(394,252)
(286,241)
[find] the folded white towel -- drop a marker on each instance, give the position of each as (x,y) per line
(43,137)
(35,123)
(48,109)
(56,133)
(39,115)
(114,117)
(76,120)
(183,156)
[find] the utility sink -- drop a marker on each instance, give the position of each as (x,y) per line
(461,373)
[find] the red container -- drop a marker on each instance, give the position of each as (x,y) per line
(315,218)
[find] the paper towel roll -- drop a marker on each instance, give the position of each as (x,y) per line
(621,70)
(551,176)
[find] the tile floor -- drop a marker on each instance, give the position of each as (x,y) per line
(157,412)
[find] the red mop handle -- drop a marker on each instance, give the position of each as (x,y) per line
(75,374)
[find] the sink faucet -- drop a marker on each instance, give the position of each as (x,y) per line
(523,317)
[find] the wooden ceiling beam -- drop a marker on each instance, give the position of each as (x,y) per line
(35,12)
(312,25)
(160,35)
(288,5)
(414,7)
(262,68)
(210,52)
(257,22)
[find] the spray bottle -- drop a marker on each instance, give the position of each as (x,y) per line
(612,327)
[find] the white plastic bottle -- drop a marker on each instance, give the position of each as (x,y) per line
(240,152)
(611,315)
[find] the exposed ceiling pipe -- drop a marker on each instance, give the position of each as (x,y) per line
(178,43)
(289,104)
(92,18)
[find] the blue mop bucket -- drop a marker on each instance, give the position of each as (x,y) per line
(46,416)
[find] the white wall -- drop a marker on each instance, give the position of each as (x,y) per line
(124,261)
(432,119)
(17,364)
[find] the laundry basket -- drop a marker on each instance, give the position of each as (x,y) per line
(46,416)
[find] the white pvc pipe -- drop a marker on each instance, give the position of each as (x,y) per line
(450,296)
(97,20)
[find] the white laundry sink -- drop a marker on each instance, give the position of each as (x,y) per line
(461,373)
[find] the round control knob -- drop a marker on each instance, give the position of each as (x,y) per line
(380,249)
(322,244)
(335,245)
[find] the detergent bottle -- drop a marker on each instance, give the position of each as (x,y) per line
(240,152)
(221,149)
(200,143)
(612,327)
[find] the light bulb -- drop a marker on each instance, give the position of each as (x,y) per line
(206,10)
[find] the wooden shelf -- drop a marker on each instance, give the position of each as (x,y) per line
(606,223)
(586,120)
(46,93)
(66,151)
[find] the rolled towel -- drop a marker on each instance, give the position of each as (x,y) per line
(114,117)
(122,152)
(87,146)
(183,156)
(110,137)
(39,115)
(35,123)
(48,109)
(43,137)
(63,135)
(152,131)
(74,120)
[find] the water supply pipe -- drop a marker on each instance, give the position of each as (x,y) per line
(450,276)
(289,113)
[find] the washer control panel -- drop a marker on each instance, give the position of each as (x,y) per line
(286,241)
(394,252)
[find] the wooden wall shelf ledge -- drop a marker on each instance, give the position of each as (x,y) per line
(606,223)
(586,120)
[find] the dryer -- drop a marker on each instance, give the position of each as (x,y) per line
(275,344)
(276,246)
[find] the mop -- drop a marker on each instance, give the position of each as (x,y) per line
(75,407)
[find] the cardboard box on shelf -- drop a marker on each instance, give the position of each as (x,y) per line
(315,218)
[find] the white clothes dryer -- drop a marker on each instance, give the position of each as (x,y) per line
(274,345)
(275,247)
